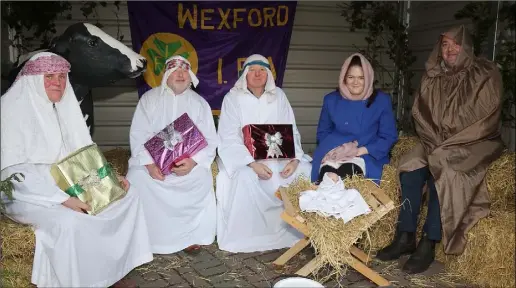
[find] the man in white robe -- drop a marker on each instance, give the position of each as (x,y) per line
(248,213)
(180,207)
(41,124)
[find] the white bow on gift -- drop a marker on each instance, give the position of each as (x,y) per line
(274,142)
(171,137)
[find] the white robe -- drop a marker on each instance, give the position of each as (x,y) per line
(180,211)
(75,249)
(248,212)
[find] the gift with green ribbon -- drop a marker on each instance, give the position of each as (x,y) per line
(87,175)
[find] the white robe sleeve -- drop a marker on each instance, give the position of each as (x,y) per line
(232,151)
(141,131)
(290,118)
(206,125)
(38,187)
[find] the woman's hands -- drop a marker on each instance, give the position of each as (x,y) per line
(362,151)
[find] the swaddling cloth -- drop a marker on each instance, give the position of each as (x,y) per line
(333,199)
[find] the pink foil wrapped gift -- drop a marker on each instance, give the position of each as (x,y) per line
(179,140)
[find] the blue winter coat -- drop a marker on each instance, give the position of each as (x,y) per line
(343,120)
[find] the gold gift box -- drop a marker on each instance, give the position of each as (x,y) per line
(87,175)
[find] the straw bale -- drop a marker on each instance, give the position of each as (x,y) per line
(17,253)
(488,259)
(501,182)
(330,237)
(404,145)
(119,159)
(214,172)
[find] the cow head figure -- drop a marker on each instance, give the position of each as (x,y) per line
(96,59)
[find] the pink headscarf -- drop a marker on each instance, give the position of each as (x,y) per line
(348,151)
(368,78)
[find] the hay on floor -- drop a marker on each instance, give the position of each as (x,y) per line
(17,253)
(330,237)
(488,260)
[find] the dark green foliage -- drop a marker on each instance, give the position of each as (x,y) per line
(7,188)
(37,19)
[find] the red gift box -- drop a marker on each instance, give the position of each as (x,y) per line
(266,141)
(179,140)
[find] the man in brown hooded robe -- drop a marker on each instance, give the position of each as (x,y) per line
(457,118)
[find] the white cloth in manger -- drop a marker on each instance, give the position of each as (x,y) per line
(333,199)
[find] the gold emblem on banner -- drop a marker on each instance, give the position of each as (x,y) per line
(161,46)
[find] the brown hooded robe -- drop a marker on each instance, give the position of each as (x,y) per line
(457,118)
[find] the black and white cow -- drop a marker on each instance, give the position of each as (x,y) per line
(96,59)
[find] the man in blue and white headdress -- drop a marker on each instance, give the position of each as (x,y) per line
(179,207)
(248,213)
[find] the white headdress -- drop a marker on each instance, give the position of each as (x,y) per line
(33,131)
(257,59)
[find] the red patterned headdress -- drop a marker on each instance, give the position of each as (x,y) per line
(178,63)
(45,65)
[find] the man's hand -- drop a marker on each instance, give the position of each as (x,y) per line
(76,204)
(184,167)
(154,172)
(261,170)
(362,151)
(290,168)
(124,183)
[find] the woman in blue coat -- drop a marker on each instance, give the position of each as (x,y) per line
(357,128)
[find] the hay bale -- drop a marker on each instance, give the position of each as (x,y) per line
(18,244)
(501,183)
(404,145)
(330,237)
(214,172)
(488,259)
(382,232)
(119,159)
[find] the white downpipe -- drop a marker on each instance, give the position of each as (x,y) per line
(401,95)
(495,39)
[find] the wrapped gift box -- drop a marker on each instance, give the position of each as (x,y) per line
(179,140)
(266,141)
(87,175)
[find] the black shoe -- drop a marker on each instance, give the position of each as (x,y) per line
(403,243)
(422,258)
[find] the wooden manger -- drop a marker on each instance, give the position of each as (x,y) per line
(380,205)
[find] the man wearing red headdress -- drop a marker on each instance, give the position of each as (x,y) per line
(179,207)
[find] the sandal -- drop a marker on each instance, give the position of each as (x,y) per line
(192,250)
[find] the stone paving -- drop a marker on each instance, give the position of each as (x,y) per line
(216,268)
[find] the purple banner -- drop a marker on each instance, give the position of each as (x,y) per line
(216,37)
